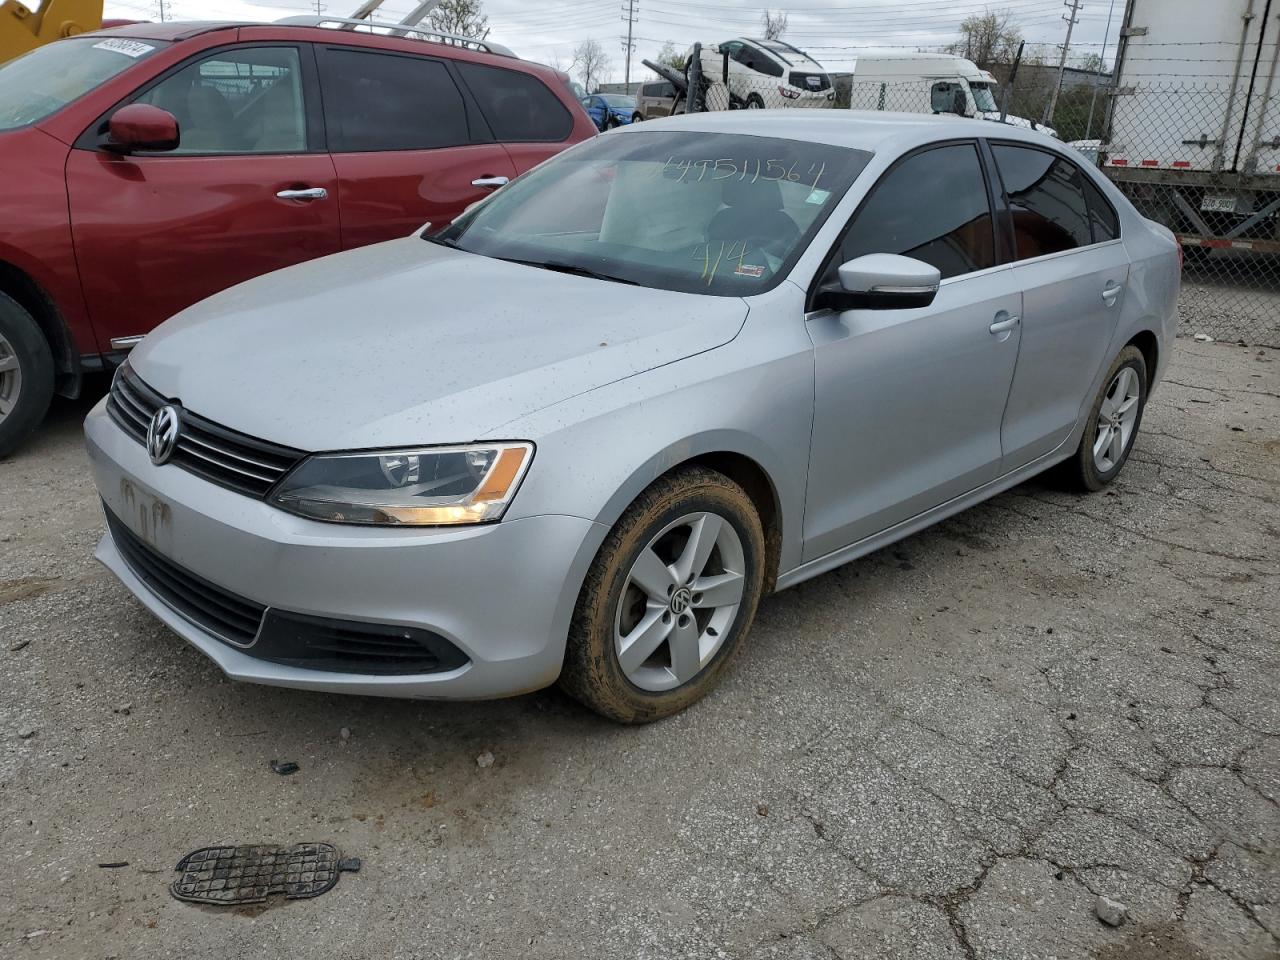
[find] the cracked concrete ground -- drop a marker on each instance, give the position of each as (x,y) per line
(946,750)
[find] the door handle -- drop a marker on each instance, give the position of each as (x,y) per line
(1004,323)
(491,183)
(304,193)
(1110,292)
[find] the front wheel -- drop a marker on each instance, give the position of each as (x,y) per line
(26,374)
(1113,424)
(668,599)
(754,102)
(636,118)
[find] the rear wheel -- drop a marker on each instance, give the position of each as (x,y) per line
(26,374)
(1113,424)
(636,118)
(754,102)
(668,599)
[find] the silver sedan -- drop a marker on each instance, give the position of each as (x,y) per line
(579,433)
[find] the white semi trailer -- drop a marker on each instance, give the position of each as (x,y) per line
(1192,131)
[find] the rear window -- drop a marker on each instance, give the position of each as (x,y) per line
(517,105)
(42,82)
(380,101)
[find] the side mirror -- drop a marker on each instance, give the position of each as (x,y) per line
(881,281)
(140,126)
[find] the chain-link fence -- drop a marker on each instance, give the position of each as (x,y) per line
(1170,149)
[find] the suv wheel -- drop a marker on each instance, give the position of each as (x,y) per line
(26,374)
(668,599)
(754,102)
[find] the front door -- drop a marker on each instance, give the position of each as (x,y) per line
(249,190)
(908,403)
(407,147)
(1073,271)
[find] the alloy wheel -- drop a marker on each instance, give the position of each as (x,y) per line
(10,378)
(679,601)
(1117,418)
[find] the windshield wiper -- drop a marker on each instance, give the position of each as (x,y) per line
(572,268)
(443,241)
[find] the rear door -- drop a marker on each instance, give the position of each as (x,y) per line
(1072,269)
(155,232)
(407,145)
(908,403)
(530,121)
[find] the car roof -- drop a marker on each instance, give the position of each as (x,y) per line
(871,130)
(172,29)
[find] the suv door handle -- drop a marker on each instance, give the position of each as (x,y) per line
(1110,292)
(305,193)
(491,183)
(1004,323)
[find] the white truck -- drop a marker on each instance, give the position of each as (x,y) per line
(1192,127)
(927,83)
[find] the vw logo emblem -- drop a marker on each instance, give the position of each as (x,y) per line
(681,601)
(162,434)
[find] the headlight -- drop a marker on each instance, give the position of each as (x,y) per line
(431,486)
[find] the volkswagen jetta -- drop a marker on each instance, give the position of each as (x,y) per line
(580,433)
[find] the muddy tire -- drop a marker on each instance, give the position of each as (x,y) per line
(26,375)
(693,604)
(1113,425)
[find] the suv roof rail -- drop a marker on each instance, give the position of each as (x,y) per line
(408,31)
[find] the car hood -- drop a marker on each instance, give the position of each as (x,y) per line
(408,343)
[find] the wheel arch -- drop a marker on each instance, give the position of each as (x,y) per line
(747,468)
(1149,346)
(32,297)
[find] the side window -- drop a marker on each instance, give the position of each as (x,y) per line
(1046,200)
(381,101)
(237,101)
(932,206)
(1102,215)
(762,62)
(517,105)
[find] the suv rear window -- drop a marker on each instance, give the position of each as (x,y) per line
(383,101)
(517,105)
(45,80)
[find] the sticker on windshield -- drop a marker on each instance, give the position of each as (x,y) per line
(130,48)
(817,196)
(749,270)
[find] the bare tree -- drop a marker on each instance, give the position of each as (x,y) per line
(672,58)
(773,24)
(988,38)
(466,18)
(592,64)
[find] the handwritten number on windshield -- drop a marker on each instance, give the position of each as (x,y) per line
(727,168)
(712,255)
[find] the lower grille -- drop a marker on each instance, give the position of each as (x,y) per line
(350,646)
(223,614)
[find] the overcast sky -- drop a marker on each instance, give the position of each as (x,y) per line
(830,30)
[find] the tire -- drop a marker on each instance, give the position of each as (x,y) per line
(754,102)
(26,375)
(1084,471)
(636,118)
(609,123)
(612,607)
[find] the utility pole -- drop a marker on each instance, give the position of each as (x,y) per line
(162,10)
(629,44)
(1072,18)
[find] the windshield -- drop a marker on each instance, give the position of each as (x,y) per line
(48,78)
(984,97)
(617,100)
(721,214)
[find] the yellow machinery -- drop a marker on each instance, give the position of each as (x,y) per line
(23,29)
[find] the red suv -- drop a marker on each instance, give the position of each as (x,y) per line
(146,167)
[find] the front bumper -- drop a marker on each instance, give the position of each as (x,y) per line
(502,593)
